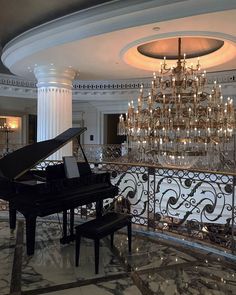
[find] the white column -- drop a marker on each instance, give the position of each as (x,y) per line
(54,111)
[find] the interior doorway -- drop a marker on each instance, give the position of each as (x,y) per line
(110,129)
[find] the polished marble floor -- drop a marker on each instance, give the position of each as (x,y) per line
(155,267)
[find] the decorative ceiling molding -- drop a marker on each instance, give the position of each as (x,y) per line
(38,45)
(12,80)
(13,86)
(86,23)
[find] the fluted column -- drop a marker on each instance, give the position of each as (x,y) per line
(54,109)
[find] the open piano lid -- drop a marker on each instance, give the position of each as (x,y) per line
(17,163)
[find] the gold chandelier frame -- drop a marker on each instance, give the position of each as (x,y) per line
(178,118)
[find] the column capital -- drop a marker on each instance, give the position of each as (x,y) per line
(53,76)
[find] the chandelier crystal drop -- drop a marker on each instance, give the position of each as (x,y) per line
(178,120)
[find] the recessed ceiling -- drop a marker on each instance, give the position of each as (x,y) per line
(96,43)
(191,46)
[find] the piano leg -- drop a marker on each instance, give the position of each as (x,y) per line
(63,240)
(69,238)
(65,237)
(72,236)
(12,217)
(99,208)
(30,234)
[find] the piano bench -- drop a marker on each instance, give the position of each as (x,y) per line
(100,227)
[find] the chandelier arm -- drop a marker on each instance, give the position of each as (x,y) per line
(178,119)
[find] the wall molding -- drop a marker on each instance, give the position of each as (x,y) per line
(14,86)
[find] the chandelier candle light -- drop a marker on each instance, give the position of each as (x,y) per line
(178,121)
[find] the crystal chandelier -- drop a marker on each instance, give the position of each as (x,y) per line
(178,120)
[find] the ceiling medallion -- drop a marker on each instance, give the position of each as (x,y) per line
(178,122)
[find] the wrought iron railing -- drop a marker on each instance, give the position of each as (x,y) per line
(196,203)
(193,203)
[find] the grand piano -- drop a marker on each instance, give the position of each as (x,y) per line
(40,193)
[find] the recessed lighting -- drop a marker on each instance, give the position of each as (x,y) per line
(156,28)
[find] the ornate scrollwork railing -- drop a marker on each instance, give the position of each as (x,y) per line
(197,204)
(193,204)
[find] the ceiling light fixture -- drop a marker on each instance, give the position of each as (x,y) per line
(178,121)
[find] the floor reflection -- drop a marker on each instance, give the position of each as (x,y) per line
(154,267)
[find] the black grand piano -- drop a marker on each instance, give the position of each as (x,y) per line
(40,193)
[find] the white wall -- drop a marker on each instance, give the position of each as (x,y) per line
(88,113)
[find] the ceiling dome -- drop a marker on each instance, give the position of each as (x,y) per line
(191,46)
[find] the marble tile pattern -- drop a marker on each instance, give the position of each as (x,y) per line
(53,264)
(154,267)
(202,279)
(148,255)
(7,246)
(121,286)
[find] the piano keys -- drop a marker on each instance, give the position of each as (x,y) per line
(41,193)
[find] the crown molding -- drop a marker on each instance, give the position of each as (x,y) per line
(127,89)
(13,86)
(123,90)
(97,20)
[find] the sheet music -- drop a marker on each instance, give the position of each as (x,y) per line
(71,167)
